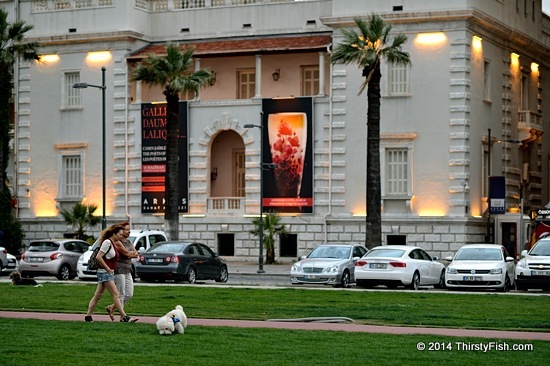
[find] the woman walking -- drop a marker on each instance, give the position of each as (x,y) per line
(107,258)
(123,271)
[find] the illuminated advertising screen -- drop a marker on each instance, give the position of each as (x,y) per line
(287,127)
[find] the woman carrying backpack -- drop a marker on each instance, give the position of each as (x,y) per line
(107,258)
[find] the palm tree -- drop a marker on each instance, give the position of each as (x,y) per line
(272,224)
(80,217)
(172,72)
(367,48)
(12,46)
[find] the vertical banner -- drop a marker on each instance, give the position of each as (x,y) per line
(153,157)
(497,195)
(287,127)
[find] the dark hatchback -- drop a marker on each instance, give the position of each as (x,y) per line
(181,261)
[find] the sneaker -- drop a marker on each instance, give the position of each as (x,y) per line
(88,319)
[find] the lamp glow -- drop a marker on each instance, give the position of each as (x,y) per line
(430,39)
(534,67)
(476,43)
(49,58)
(98,56)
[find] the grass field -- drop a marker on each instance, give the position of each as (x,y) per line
(33,342)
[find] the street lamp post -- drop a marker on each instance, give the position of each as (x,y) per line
(103,182)
(262,167)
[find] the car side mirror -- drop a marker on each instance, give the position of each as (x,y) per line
(435,258)
(450,259)
(523,253)
(509,259)
(141,250)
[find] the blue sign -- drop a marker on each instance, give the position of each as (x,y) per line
(497,195)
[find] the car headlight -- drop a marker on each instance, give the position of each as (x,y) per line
(331,269)
(496,271)
(296,268)
(451,270)
(81,259)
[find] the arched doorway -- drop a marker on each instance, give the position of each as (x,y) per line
(227,165)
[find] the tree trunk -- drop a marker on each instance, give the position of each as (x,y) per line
(171,213)
(373,235)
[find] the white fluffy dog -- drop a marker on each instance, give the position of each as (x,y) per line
(174,321)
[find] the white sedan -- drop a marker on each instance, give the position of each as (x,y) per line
(399,265)
(486,266)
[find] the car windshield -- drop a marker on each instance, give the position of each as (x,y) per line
(391,253)
(46,246)
(334,252)
(542,248)
(479,254)
(167,248)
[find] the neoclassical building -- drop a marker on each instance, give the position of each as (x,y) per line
(472,105)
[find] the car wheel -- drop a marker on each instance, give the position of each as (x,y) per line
(441,283)
(345,282)
(64,273)
(224,275)
(415,283)
(506,286)
(191,275)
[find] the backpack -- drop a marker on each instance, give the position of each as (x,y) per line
(93,264)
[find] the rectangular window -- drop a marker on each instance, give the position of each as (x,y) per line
(310,80)
(397,175)
(524,92)
(72,95)
(246,84)
(398,76)
(71,175)
(486,81)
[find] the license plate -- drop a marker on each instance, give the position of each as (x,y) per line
(473,278)
(37,259)
(378,265)
(309,277)
(155,260)
(540,273)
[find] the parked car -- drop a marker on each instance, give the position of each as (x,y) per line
(52,257)
(179,261)
(533,269)
(328,264)
(142,240)
(8,262)
(487,266)
(399,265)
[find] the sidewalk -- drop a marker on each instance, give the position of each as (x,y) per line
(251,268)
(348,327)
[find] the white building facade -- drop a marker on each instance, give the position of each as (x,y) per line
(473,104)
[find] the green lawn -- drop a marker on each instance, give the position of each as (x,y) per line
(35,342)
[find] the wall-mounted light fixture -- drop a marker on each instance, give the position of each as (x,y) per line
(212,78)
(276,75)
(534,67)
(214,173)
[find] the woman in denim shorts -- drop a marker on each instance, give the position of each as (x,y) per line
(107,258)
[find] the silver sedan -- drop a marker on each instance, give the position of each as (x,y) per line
(328,264)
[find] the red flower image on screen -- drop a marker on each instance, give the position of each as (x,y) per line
(288,139)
